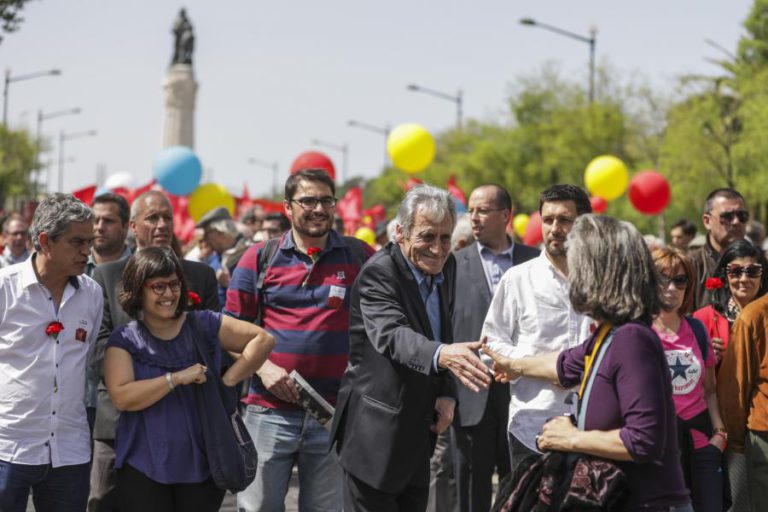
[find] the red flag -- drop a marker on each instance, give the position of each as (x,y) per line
(412,182)
(455,191)
(85,194)
(350,209)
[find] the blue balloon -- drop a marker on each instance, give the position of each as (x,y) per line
(460,208)
(101,191)
(178,170)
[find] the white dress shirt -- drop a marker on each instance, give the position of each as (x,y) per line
(531,314)
(42,379)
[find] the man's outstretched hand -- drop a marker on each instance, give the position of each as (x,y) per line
(461,360)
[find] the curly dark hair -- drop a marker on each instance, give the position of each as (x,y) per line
(146,264)
(738,249)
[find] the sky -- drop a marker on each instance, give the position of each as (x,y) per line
(274,76)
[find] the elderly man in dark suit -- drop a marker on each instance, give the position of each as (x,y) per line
(152,224)
(396,395)
(480,420)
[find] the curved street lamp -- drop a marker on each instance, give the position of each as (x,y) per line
(9,79)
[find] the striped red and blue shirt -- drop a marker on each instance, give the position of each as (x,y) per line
(306,309)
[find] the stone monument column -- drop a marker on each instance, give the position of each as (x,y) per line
(180,88)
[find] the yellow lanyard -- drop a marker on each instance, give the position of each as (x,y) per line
(589,359)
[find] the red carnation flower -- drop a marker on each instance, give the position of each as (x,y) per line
(314,253)
(194,300)
(713,283)
(53,329)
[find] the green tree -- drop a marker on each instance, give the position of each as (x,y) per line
(17,162)
(10,15)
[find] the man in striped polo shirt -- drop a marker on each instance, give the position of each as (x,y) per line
(303,302)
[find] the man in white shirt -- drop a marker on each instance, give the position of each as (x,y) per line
(531,314)
(49,315)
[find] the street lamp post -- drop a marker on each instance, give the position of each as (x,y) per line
(343,149)
(63,137)
(591,41)
(42,116)
(383,130)
(458,99)
(19,78)
(267,165)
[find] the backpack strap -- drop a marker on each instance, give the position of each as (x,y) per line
(700,332)
(357,248)
(266,256)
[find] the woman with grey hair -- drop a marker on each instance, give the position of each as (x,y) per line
(630,416)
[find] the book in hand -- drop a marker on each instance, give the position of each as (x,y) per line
(311,401)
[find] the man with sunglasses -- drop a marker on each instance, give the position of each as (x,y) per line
(298,289)
(151,222)
(725,220)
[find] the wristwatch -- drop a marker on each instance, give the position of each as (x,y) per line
(722,432)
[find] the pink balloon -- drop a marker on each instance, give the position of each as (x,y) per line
(649,192)
(533,230)
(599,205)
(314,160)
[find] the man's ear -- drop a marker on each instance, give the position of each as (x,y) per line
(706,219)
(44,240)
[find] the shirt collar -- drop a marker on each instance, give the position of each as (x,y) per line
(485,249)
(418,274)
(10,257)
(126,254)
(334,240)
(29,276)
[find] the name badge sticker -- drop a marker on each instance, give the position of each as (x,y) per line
(336,296)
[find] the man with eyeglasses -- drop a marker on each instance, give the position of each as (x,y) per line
(274,225)
(16,238)
(151,221)
(480,423)
(725,219)
(298,287)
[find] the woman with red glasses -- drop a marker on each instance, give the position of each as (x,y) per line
(691,361)
(151,368)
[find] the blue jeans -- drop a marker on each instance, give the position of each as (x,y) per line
(283,438)
(62,489)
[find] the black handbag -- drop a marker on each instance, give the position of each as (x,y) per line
(229,448)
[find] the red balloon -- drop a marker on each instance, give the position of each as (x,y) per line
(533,234)
(599,205)
(649,192)
(314,160)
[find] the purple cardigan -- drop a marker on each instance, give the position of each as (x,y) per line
(632,392)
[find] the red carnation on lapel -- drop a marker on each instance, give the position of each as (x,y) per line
(53,329)
(314,253)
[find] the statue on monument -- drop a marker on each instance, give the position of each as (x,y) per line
(184,39)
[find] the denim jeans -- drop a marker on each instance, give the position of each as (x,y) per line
(62,489)
(283,438)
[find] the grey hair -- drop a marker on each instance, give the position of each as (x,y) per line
(435,203)
(610,271)
(462,232)
(138,204)
(226,226)
(54,214)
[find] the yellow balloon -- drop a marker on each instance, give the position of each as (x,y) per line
(519,223)
(606,176)
(207,197)
(411,147)
(366,235)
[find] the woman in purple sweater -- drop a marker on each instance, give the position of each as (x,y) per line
(630,417)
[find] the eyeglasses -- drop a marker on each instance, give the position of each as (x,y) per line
(310,203)
(754,270)
(680,281)
(159,287)
(483,212)
(727,217)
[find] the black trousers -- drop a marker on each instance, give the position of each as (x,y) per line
(481,449)
(139,493)
(361,497)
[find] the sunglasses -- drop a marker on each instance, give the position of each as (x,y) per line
(727,217)
(680,281)
(159,287)
(754,270)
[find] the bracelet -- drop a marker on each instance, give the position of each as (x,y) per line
(169,379)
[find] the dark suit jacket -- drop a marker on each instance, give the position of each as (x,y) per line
(200,278)
(386,402)
(473,298)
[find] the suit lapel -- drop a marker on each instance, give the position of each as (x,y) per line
(412,293)
(476,271)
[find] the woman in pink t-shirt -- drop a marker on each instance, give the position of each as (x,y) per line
(701,431)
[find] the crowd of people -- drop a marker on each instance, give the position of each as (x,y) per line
(452,353)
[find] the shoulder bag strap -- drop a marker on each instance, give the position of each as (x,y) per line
(266,255)
(590,377)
